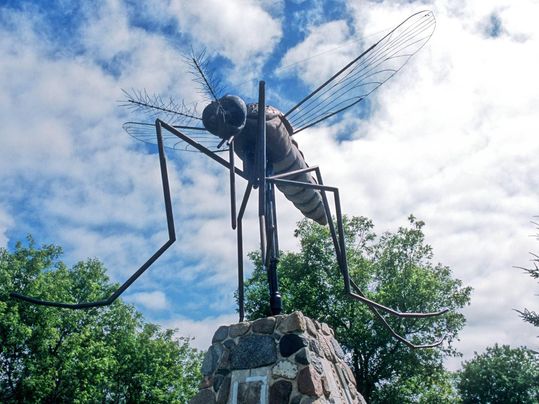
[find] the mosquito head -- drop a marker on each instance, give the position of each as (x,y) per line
(225,117)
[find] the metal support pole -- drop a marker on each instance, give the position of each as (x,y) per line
(261,167)
(265,217)
(273,252)
(232,184)
(261,149)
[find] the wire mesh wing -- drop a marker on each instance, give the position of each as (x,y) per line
(364,74)
(145,132)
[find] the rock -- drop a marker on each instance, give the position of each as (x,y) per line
(224,390)
(337,348)
(224,372)
(278,318)
(209,365)
(325,386)
(206,382)
(312,400)
(286,369)
(229,344)
(315,347)
(206,396)
(303,356)
(279,392)
(291,343)
(326,348)
(317,324)
(294,322)
(264,325)
(326,330)
(253,351)
(350,374)
(287,359)
(315,361)
(309,382)
(217,381)
(235,330)
(296,399)
(224,362)
(311,327)
(220,335)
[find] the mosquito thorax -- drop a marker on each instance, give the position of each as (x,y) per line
(225,117)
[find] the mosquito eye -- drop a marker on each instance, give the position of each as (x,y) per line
(235,109)
(210,118)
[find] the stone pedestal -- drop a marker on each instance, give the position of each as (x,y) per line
(276,360)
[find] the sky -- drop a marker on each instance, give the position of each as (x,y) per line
(452,139)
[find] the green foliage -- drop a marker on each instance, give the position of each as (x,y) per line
(530,316)
(438,387)
(394,269)
(501,375)
(78,356)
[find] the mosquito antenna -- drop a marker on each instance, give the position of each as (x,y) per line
(153,105)
(204,76)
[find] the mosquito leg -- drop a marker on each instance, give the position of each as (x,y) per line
(239,229)
(205,150)
(143,267)
(339,245)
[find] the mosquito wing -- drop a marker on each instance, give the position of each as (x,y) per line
(364,74)
(145,132)
(177,114)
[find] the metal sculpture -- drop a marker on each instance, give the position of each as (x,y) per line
(261,136)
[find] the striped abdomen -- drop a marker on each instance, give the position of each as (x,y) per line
(283,156)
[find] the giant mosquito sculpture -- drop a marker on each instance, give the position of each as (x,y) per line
(262,138)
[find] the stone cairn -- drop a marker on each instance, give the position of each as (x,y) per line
(285,359)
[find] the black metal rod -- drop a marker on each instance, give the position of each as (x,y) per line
(342,244)
(347,66)
(260,168)
(272,258)
(269,227)
(291,173)
(232,184)
(328,116)
(239,232)
(303,184)
(241,286)
(331,225)
(359,295)
(274,221)
(201,148)
(331,78)
(244,201)
(261,149)
(143,267)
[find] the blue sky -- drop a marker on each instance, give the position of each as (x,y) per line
(451,139)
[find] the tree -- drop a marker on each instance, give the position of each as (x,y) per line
(438,387)
(107,354)
(501,375)
(395,270)
(530,316)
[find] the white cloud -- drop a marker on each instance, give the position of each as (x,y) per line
(201,330)
(451,138)
(155,300)
(240,30)
(5,223)
(320,40)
